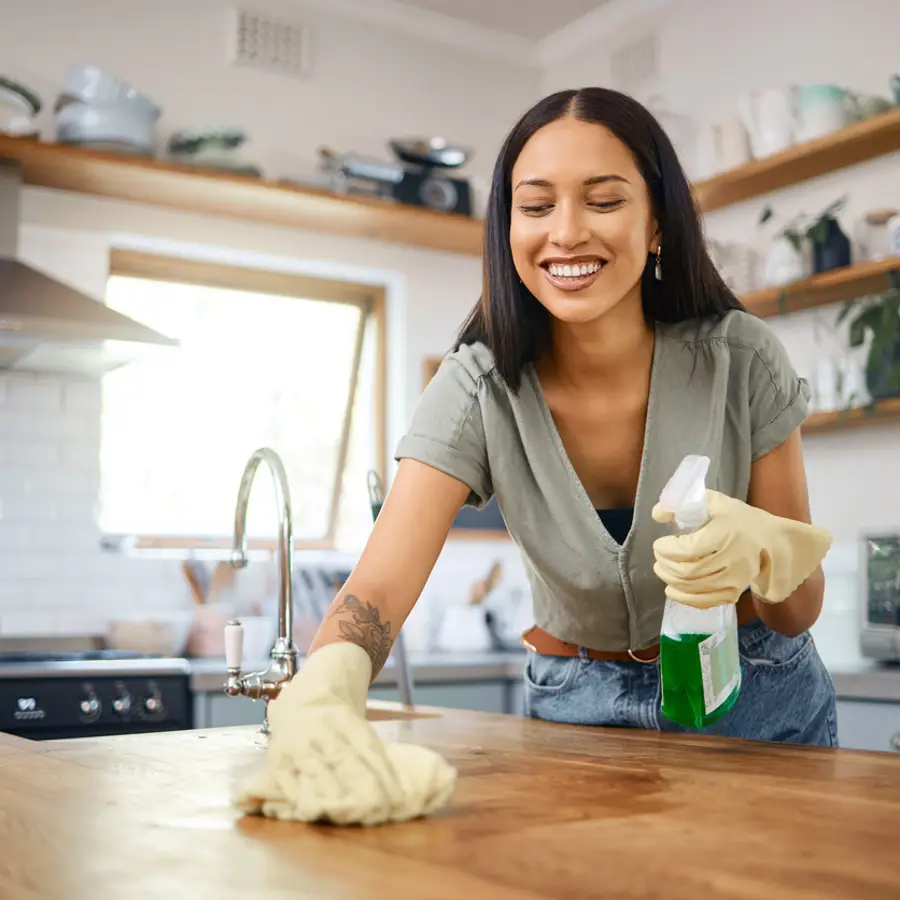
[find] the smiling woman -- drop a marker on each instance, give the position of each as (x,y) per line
(603,350)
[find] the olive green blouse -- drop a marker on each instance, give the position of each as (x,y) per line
(725,389)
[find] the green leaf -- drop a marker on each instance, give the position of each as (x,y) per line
(845,310)
(857,333)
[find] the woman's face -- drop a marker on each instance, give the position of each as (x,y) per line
(581,220)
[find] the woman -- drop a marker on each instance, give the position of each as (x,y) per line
(605,348)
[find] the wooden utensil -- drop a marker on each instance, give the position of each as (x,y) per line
(197,588)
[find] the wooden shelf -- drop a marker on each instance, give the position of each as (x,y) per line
(827,287)
(180,187)
(851,145)
(882,412)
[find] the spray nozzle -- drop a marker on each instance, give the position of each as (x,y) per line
(685,493)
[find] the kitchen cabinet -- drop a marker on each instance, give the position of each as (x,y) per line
(218,710)
(498,695)
(480,696)
(869,725)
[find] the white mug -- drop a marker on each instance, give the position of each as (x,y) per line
(893,228)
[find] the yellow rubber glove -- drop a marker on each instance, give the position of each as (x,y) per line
(739,547)
(325,761)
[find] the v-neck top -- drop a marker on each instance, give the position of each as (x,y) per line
(617,522)
(724,388)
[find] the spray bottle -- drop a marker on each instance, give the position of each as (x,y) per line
(699,663)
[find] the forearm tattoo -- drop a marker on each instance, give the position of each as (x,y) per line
(362,625)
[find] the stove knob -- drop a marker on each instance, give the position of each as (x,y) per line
(153,706)
(90,707)
(122,704)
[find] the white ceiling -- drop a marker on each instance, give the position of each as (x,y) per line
(531,19)
(530,33)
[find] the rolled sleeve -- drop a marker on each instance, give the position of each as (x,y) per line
(779,398)
(447,433)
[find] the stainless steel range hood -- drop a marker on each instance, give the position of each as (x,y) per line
(47,326)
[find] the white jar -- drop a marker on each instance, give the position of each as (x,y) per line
(893,227)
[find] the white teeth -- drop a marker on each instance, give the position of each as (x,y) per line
(576,271)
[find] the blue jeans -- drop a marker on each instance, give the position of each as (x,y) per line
(786,692)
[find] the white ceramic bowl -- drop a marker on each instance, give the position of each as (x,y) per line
(81,123)
(92,85)
(163,634)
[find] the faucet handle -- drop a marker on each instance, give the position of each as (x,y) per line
(234,644)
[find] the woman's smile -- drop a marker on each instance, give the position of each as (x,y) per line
(573,274)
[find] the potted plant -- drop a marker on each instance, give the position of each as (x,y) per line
(830,246)
(878,316)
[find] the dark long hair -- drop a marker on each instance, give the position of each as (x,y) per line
(509,320)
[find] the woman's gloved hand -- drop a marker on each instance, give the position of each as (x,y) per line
(325,761)
(739,547)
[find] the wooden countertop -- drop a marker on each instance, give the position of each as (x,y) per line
(541,811)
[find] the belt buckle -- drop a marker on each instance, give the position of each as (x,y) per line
(645,662)
(526,643)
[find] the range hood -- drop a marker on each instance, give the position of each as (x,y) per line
(48,326)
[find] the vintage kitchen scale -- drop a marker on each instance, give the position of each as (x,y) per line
(420,177)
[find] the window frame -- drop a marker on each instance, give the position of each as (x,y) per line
(369,298)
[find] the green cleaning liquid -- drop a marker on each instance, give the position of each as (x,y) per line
(701,677)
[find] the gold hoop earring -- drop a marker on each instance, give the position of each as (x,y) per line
(658,269)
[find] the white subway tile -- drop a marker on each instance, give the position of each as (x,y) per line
(23,508)
(83,397)
(16,422)
(45,424)
(85,624)
(80,453)
(13,536)
(31,394)
(64,594)
(29,451)
(62,537)
(76,508)
(29,624)
(28,566)
(79,424)
(13,596)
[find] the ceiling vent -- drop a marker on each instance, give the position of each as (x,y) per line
(272,45)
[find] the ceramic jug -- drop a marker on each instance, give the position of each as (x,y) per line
(784,263)
(770,118)
(722,146)
(822,109)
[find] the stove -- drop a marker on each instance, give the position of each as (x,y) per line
(48,695)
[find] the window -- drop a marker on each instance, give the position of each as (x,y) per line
(266,359)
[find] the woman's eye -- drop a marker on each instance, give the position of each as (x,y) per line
(534,209)
(605,205)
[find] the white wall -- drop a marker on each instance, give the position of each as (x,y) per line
(366,85)
(710,53)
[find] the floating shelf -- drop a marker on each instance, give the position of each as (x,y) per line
(851,145)
(828,287)
(188,188)
(882,412)
(141,180)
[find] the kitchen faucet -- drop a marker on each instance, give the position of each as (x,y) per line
(264,685)
(285,655)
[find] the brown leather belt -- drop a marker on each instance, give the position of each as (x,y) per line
(537,640)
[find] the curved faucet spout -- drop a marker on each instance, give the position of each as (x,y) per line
(285,656)
(285,532)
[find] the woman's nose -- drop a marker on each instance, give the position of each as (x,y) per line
(568,226)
